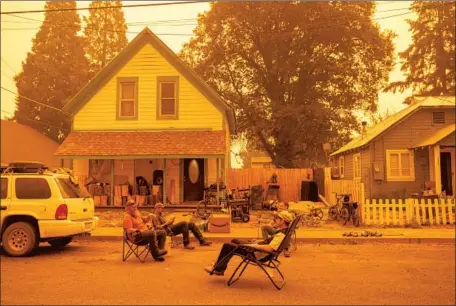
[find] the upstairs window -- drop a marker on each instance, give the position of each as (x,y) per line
(127,98)
(357,166)
(438,118)
(341,166)
(167,97)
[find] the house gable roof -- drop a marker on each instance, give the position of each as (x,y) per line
(144,37)
(380,128)
(436,137)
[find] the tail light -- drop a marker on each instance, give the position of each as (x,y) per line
(62,212)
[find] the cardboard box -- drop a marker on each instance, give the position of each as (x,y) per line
(219,223)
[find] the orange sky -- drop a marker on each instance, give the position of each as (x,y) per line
(17,35)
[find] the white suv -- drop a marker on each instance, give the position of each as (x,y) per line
(43,206)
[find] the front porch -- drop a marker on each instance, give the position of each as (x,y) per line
(170,167)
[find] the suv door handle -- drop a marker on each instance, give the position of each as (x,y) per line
(3,207)
(84,210)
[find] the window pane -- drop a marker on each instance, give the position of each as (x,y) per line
(71,189)
(167,106)
(128,90)
(167,90)
(4,187)
(127,108)
(405,164)
(394,164)
(32,188)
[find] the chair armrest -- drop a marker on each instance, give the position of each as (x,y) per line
(253,249)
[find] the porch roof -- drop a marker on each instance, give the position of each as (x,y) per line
(142,144)
(436,137)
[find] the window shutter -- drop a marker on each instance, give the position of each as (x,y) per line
(405,164)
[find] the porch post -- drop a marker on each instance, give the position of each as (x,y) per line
(164,181)
(431,164)
(111,198)
(437,174)
(217,178)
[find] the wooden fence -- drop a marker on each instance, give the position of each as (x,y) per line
(408,211)
(333,187)
(288,179)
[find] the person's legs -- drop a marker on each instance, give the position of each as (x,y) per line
(151,237)
(161,239)
(197,233)
(181,228)
(226,253)
(267,231)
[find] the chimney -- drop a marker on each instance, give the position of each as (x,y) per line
(364,124)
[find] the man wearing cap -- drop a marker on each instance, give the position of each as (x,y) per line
(182,227)
(281,220)
(270,230)
(137,230)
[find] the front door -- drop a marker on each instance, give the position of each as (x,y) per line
(193,179)
(445,168)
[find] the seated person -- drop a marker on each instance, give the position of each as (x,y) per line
(270,230)
(182,227)
(137,230)
(281,220)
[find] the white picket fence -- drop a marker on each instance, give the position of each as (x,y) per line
(408,211)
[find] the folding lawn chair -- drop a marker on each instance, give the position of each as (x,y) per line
(139,249)
(270,261)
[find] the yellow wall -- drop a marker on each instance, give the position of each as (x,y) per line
(195,111)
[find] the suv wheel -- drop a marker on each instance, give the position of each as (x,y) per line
(19,239)
(60,242)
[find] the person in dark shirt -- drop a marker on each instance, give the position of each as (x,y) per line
(183,227)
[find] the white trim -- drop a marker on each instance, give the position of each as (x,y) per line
(357,166)
(341,166)
(400,177)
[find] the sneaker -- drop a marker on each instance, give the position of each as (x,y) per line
(189,247)
(159,259)
(159,253)
(211,271)
(205,243)
(286,253)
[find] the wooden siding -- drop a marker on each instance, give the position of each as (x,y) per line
(448,141)
(195,111)
(81,167)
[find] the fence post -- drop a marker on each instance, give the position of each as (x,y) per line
(409,210)
(361,202)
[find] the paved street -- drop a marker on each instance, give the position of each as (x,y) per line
(89,272)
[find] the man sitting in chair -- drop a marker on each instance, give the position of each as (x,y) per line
(137,230)
(281,220)
(270,230)
(182,227)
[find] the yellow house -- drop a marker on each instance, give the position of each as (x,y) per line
(147,114)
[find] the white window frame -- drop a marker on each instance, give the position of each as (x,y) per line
(400,178)
(341,166)
(357,166)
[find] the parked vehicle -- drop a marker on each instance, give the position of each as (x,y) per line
(42,206)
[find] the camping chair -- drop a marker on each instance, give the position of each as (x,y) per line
(139,249)
(270,261)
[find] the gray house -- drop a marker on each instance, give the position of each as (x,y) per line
(406,154)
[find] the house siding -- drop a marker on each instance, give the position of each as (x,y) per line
(448,141)
(194,111)
(406,134)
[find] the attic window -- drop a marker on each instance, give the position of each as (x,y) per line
(167,97)
(438,118)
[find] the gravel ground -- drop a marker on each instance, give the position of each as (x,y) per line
(88,272)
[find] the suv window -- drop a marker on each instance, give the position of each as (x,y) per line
(32,188)
(70,189)
(4,187)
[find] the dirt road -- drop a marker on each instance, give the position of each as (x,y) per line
(88,272)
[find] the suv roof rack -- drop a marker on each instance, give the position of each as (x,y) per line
(26,167)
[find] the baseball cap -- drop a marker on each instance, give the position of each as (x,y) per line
(285,215)
(159,205)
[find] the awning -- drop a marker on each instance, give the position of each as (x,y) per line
(123,145)
(436,137)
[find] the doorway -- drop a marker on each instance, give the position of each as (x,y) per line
(193,179)
(446,172)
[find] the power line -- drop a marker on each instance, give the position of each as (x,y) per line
(128,32)
(102,7)
(42,104)
(34,120)
(12,69)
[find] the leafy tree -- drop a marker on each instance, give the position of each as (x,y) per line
(428,62)
(53,72)
(296,72)
(105,34)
